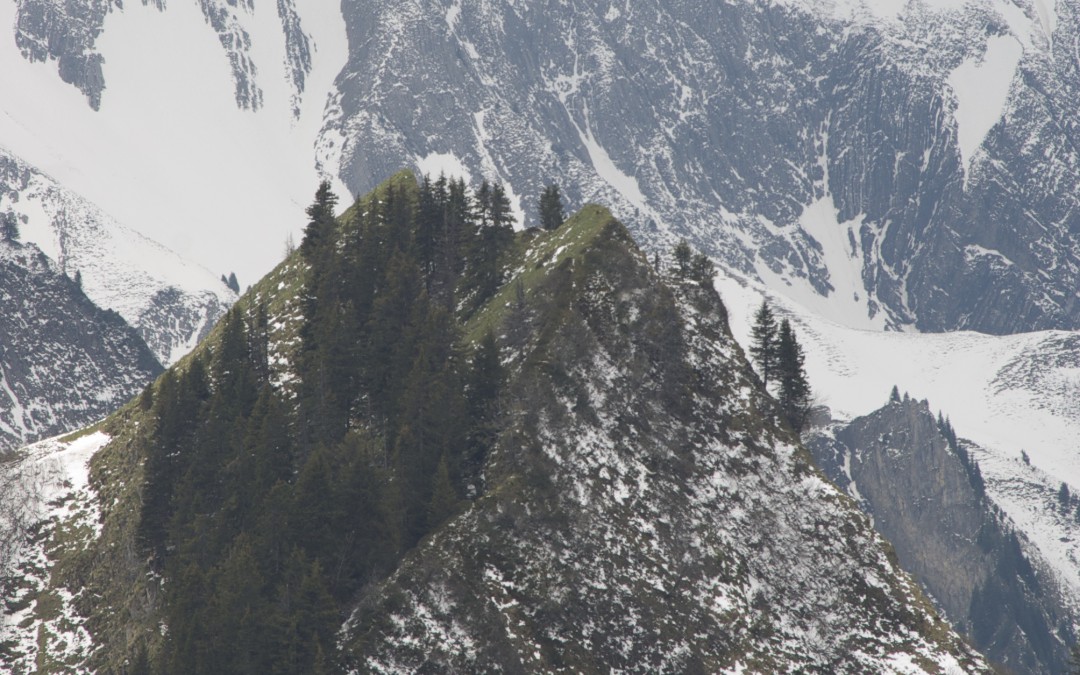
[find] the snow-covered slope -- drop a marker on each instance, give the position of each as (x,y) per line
(205,122)
(1008,394)
(170,301)
(52,492)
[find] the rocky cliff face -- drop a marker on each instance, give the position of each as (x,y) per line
(926,495)
(837,150)
(67,34)
(63,361)
(907,162)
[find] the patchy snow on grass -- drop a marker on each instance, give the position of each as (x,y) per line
(60,498)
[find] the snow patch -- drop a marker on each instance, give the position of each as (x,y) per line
(605,167)
(490,168)
(850,306)
(981,89)
(443,163)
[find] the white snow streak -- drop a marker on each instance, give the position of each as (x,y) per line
(981,90)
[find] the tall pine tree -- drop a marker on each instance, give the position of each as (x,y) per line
(551,208)
(791,372)
(763,344)
(320,227)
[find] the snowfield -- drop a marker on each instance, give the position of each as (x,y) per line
(1007,394)
(55,494)
(170,154)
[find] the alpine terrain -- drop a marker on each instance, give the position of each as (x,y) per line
(171,302)
(896,179)
(555,458)
(926,493)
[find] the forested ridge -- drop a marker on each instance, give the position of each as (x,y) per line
(266,515)
(428,442)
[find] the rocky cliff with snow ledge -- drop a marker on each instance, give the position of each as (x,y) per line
(171,302)
(926,494)
(64,362)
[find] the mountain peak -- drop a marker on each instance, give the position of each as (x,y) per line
(559,461)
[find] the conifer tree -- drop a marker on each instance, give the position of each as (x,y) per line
(486,377)
(267,446)
(444,499)
(430,212)
(763,345)
(794,389)
(140,663)
(702,270)
(683,256)
(551,208)
(482,201)
(500,209)
(894,397)
(484,383)
(493,237)
(321,222)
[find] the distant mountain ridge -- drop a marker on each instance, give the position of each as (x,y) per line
(836,149)
(171,302)
(898,165)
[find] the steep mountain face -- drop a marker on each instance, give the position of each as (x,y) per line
(926,495)
(1013,396)
(635,503)
(171,302)
(63,361)
(899,164)
(644,510)
(909,166)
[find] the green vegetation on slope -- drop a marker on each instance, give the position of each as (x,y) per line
(328,423)
(359,397)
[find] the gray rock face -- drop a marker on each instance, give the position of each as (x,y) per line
(64,362)
(723,123)
(66,32)
(790,141)
(927,498)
